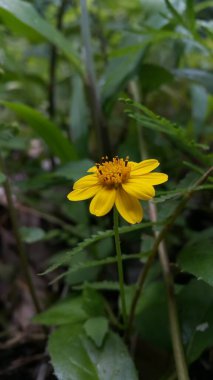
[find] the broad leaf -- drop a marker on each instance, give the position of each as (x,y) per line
(46,129)
(123,65)
(23,18)
(201,77)
(79,113)
(96,328)
(68,311)
(152,320)
(75,357)
(195,309)
(74,170)
(195,303)
(32,234)
(153,76)
(197,256)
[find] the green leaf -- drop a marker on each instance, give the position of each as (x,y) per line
(153,76)
(45,129)
(68,311)
(93,302)
(178,135)
(74,170)
(195,309)
(102,285)
(123,65)
(64,259)
(197,258)
(201,77)
(190,14)
(23,18)
(32,234)
(96,263)
(177,17)
(199,107)
(2,178)
(87,273)
(75,357)
(79,113)
(152,320)
(203,5)
(96,328)
(195,304)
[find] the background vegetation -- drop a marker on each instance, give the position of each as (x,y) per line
(78,80)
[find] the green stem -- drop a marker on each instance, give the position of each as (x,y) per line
(19,243)
(120,267)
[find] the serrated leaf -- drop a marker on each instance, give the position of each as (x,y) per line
(64,259)
(95,263)
(178,135)
(96,328)
(68,311)
(75,357)
(197,258)
(102,285)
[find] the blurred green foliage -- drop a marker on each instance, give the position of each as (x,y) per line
(152,73)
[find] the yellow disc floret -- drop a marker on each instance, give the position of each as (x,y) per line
(113,173)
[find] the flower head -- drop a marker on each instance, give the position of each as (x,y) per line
(118,182)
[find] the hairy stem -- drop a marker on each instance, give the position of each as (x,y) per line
(120,266)
(19,244)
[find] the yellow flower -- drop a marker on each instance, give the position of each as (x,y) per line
(121,183)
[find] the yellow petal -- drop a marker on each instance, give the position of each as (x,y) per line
(103,201)
(151,178)
(86,181)
(128,206)
(139,190)
(82,194)
(144,167)
(93,169)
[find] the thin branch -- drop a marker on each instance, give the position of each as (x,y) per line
(19,244)
(158,240)
(159,246)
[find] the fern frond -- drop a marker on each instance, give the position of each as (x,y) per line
(65,258)
(96,263)
(178,135)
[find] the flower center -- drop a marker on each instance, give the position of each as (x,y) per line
(113,173)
